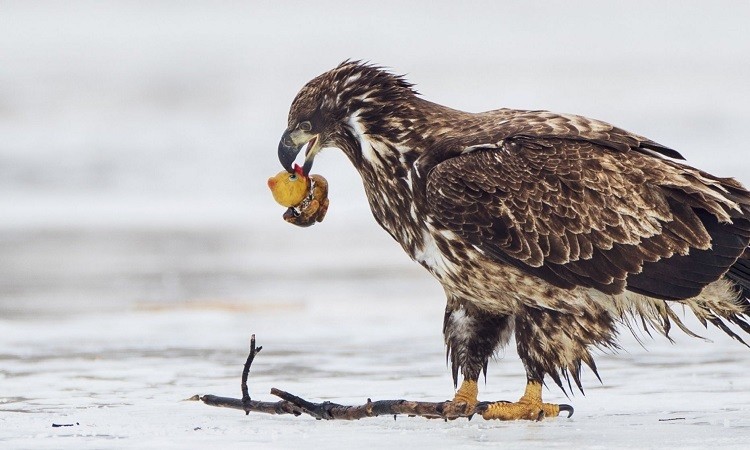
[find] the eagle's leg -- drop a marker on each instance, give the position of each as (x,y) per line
(472,336)
(552,343)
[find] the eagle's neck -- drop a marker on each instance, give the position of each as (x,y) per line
(383,146)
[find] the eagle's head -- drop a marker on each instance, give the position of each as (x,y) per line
(320,115)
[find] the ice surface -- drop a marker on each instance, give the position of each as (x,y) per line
(120,375)
(139,247)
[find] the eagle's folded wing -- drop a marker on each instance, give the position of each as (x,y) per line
(576,213)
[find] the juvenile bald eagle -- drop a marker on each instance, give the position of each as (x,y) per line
(550,227)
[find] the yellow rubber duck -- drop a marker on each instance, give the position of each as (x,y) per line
(289,189)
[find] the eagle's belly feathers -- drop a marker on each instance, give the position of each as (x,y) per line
(466,273)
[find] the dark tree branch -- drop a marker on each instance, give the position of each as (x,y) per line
(292,404)
(330,411)
(281,407)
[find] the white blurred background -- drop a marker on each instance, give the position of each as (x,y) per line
(136,139)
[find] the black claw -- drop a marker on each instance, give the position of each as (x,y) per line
(540,416)
(567,408)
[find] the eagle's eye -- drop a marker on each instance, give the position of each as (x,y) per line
(305,126)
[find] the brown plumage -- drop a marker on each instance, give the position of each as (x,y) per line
(550,227)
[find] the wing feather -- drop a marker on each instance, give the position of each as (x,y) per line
(580,212)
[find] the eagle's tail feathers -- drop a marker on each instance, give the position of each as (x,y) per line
(740,321)
(739,273)
(717,322)
(722,304)
(676,319)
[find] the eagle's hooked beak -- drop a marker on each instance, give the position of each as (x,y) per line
(291,144)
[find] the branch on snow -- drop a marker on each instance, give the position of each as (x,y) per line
(292,404)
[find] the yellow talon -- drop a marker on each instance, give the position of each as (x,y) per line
(289,189)
(528,407)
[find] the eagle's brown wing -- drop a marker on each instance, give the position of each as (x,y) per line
(576,213)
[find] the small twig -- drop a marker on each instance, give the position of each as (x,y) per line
(246,370)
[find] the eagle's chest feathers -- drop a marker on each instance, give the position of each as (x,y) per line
(386,172)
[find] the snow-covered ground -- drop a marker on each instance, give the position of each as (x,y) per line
(120,376)
(139,247)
